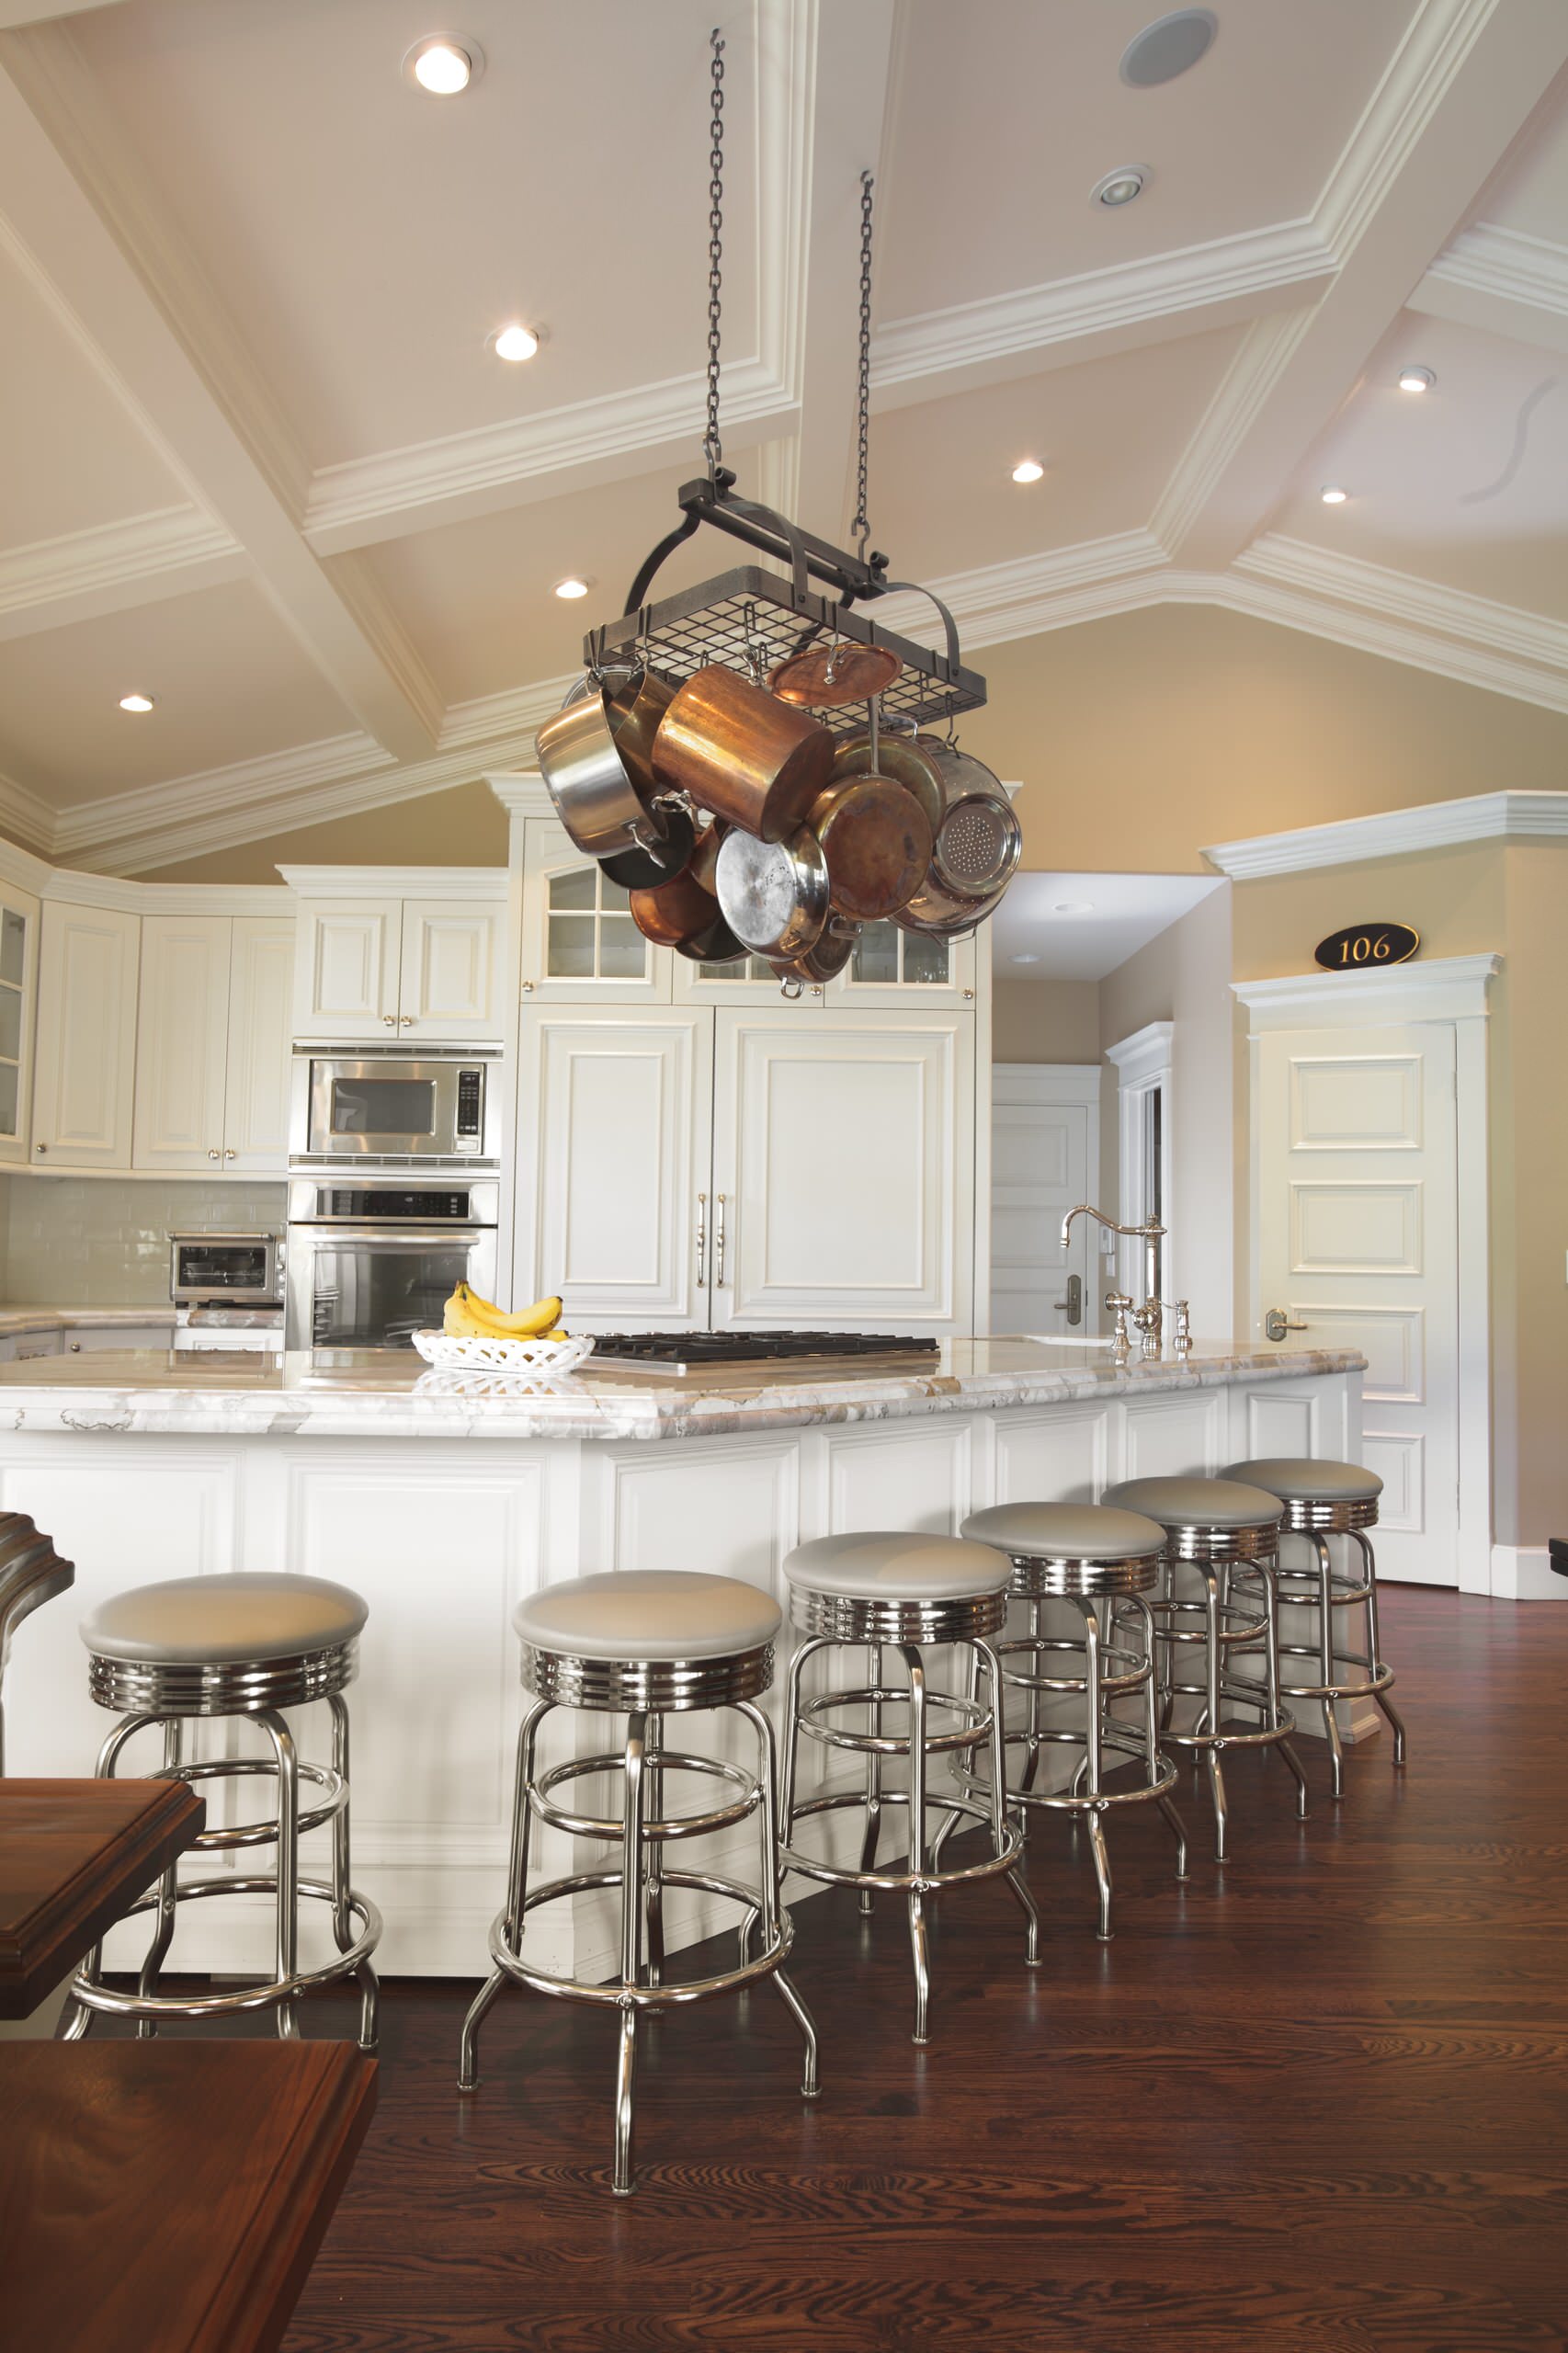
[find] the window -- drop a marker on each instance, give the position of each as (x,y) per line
(589,934)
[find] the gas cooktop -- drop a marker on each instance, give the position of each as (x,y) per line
(673,1353)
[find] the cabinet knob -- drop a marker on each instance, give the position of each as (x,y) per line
(528,988)
(213,1153)
(391,1021)
(970,993)
(815,990)
(41,1147)
(229,1155)
(76,1347)
(405,1021)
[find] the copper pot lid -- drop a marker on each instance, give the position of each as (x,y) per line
(821,676)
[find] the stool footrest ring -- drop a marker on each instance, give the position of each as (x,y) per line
(94,1996)
(928,1881)
(620,1996)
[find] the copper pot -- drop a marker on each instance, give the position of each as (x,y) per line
(824,960)
(676,913)
(741,753)
(907,762)
(877,841)
(634,715)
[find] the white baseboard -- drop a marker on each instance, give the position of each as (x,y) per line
(1522,1573)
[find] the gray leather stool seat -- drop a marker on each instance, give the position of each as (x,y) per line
(1304,1479)
(224,1620)
(648,1614)
(1196,1503)
(1067,1531)
(895,1566)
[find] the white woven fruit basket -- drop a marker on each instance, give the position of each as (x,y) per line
(499,1355)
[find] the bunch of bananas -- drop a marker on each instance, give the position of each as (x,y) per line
(466,1316)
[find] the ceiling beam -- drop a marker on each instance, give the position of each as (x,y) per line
(134,303)
(1466,79)
(1503,283)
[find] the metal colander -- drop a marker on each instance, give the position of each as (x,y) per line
(978,844)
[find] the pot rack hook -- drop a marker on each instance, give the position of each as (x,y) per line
(712,448)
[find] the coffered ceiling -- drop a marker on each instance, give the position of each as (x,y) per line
(262,463)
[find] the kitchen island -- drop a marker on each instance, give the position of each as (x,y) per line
(445,1497)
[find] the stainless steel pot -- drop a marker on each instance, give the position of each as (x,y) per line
(773,895)
(594,796)
(978,839)
(824,960)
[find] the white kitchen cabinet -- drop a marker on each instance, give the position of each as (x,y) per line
(614,1141)
(255,1097)
(87,1036)
(843,1171)
(182,1042)
(18,980)
(580,945)
(421,969)
(91,1339)
(213,1042)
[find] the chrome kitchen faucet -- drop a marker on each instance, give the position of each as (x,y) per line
(1149,1318)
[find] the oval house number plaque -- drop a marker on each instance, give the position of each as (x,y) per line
(1363,945)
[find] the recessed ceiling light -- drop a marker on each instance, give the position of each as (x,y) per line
(1028,470)
(573,586)
(1073,907)
(136,703)
(1026,960)
(1416,380)
(444,63)
(515,343)
(1170,46)
(1120,187)
(1332,495)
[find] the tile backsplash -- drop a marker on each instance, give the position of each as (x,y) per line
(103,1242)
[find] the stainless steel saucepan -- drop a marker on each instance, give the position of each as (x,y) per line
(595,797)
(773,895)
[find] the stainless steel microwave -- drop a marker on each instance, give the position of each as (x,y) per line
(359,1105)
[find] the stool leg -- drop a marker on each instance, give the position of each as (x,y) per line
(919,1949)
(653,1897)
(1152,1737)
(1268,1577)
(1093,1763)
(873,1783)
(986,1656)
(1326,1659)
(342,1878)
(162,1935)
(75,2017)
(632,1896)
(1212,1663)
(792,1734)
(1374,1645)
(277,1730)
(1033,1745)
(772,1898)
(516,1893)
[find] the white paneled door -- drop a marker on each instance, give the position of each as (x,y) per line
(183,1041)
(1358,1247)
(614,1116)
(1044,1159)
(843,1171)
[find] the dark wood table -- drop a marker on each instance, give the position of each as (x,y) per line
(169,2197)
(74,1856)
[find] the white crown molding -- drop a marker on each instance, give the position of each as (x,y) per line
(1416,80)
(1448,988)
(29,822)
(74,888)
(1228,277)
(1495,260)
(1145,1056)
(50,583)
(19,866)
(247,786)
(522,795)
(1397,832)
(396,881)
(999,601)
(505,718)
(1267,351)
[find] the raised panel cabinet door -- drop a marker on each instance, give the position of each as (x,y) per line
(1358,1221)
(452,969)
(261,991)
(1042,1150)
(182,1042)
(843,1171)
(345,969)
(87,1037)
(614,1126)
(19,985)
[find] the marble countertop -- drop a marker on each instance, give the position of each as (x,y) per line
(369,1393)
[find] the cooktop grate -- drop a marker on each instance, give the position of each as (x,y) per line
(692,1351)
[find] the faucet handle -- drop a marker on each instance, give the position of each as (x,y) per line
(1118,1303)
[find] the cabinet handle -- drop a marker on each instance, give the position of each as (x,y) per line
(231,1155)
(718,1241)
(41,1147)
(405,1021)
(701,1239)
(76,1347)
(970,995)
(212,1152)
(391,1021)
(528,988)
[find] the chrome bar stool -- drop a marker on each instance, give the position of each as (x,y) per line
(244,1646)
(1107,1562)
(903,1592)
(1321,1500)
(1213,1525)
(646,1644)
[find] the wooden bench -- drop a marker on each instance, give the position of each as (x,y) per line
(169,2197)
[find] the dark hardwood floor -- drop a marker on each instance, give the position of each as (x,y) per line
(1315,2102)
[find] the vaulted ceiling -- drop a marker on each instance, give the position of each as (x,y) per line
(262,463)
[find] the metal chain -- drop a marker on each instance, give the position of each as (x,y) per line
(712,449)
(861,526)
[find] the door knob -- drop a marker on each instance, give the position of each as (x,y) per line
(1073,1303)
(1277,1323)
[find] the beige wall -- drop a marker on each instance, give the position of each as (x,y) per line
(1137,739)
(1045,1021)
(1183,976)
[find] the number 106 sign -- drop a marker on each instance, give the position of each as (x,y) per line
(1362,946)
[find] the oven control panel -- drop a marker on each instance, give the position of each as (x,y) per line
(470,1109)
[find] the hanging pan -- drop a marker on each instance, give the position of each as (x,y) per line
(773,895)
(594,794)
(742,754)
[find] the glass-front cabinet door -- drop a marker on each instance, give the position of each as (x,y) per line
(894,967)
(19,968)
(580,945)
